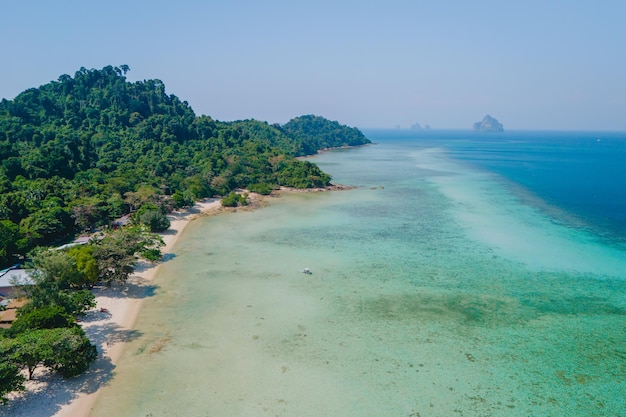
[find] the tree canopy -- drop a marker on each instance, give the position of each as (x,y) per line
(81,151)
(46,332)
(78,153)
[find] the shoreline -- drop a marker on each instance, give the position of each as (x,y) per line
(124,311)
(109,326)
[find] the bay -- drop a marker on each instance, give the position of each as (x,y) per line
(454,280)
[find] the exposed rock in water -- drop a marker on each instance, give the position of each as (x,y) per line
(488,124)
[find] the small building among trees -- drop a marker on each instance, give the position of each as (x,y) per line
(8,278)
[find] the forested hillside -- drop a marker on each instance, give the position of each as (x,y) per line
(80,151)
(314,133)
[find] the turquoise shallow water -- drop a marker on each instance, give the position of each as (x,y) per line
(436,291)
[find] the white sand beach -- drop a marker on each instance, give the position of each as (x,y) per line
(109,326)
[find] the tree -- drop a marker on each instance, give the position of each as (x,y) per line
(49,317)
(302,174)
(116,253)
(66,350)
(54,267)
(46,225)
(144,194)
(86,265)
(88,212)
(155,220)
(182,200)
(32,349)
(86,149)
(9,235)
(11,379)
(115,264)
(56,279)
(73,352)
(261,188)
(151,216)
(233,200)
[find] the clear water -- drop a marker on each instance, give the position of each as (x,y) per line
(444,285)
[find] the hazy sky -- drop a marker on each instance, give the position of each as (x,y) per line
(531,64)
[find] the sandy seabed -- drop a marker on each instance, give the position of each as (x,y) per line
(108,326)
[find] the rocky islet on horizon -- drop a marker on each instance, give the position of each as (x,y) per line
(488,124)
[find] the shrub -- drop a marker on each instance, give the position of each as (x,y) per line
(49,317)
(233,200)
(260,188)
(155,220)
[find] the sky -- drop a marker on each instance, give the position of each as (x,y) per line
(550,64)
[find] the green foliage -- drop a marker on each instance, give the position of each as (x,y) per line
(73,352)
(315,133)
(9,236)
(233,200)
(152,217)
(155,220)
(86,265)
(79,302)
(57,282)
(83,150)
(49,317)
(42,337)
(117,252)
(32,349)
(66,350)
(11,378)
(182,200)
(302,174)
(54,267)
(264,189)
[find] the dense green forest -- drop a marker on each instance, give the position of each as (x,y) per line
(46,333)
(78,152)
(81,151)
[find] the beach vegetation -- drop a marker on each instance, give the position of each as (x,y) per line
(303,174)
(86,265)
(11,378)
(234,199)
(183,200)
(56,281)
(118,251)
(49,317)
(66,350)
(79,152)
(316,133)
(153,217)
(9,237)
(73,352)
(260,188)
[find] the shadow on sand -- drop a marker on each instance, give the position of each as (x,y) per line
(49,391)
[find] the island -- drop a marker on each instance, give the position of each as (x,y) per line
(99,156)
(417,126)
(488,124)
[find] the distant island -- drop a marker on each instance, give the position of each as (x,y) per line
(488,124)
(417,126)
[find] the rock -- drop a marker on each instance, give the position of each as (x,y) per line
(488,124)
(417,126)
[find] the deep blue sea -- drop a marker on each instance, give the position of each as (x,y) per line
(582,173)
(464,275)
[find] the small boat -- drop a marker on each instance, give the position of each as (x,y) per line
(307,271)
